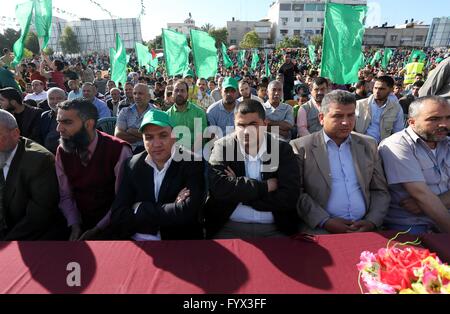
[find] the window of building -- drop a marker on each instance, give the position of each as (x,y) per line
(394,37)
(309,20)
(318,31)
(284,32)
(310,7)
(298,7)
(297,19)
(285,7)
(320,20)
(297,32)
(284,19)
(309,31)
(420,38)
(234,29)
(320,7)
(233,41)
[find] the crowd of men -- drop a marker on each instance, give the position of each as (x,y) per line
(239,155)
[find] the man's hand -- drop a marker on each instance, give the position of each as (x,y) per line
(76,232)
(272,185)
(338,225)
(411,205)
(230,173)
(183,195)
(362,226)
(90,234)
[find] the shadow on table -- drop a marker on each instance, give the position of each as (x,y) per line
(300,260)
(201,264)
(47,262)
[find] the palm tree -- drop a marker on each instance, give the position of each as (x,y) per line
(207,27)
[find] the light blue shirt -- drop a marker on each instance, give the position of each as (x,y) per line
(346,199)
(73,95)
(102,108)
(218,116)
(374,127)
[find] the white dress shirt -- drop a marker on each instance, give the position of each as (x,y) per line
(158,178)
(247,214)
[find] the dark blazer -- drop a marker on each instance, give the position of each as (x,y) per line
(31,195)
(227,193)
(174,221)
(30,123)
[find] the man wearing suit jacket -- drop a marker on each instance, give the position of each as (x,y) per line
(28,187)
(28,118)
(163,189)
(254,181)
(343,184)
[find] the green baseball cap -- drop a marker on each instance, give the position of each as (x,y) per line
(188,73)
(156,117)
(230,82)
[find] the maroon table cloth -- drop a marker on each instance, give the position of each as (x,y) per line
(439,244)
(267,266)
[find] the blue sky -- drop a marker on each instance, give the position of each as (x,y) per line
(217,12)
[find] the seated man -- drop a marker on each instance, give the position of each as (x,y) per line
(162,191)
(343,184)
(28,187)
(418,169)
(254,181)
(89,166)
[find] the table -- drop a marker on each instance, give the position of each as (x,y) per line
(265,266)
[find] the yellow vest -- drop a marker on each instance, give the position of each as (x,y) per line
(412,70)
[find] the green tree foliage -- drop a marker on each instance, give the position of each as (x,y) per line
(251,40)
(317,40)
(8,38)
(291,42)
(32,43)
(69,41)
(220,35)
(155,43)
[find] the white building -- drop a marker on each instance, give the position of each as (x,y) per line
(439,34)
(302,18)
(238,29)
(411,34)
(184,28)
(97,35)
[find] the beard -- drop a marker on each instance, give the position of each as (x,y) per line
(432,136)
(180,101)
(78,143)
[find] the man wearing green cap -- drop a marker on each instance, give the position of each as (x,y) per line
(221,113)
(163,189)
(185,113)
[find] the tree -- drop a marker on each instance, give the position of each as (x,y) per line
(8,38)
(207,27)
(220,35)
(32,43)
(69,41)
(155,43)
(290,42)
(317,40)
(49,51)
(251,40)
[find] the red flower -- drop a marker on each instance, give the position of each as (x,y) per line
(397,266)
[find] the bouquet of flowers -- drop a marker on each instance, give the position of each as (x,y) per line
(403,271)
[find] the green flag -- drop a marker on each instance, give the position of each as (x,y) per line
(143,55)
(226,59)
(112,54)
(176,52)
(386,57)
(255,60)
(43,20)
(24,13)
(119,68)
(241,59)
(205,54)
(312,53)
(266,63)
(342,42)
(376,58)
(422,56)
(362,61)
(153,65)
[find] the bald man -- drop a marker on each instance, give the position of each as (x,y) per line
(130,118)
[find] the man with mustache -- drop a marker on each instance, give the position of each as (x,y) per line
(49,136)
(380,115)
(343,186)
(308,114)
(417,167)
(89,168)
